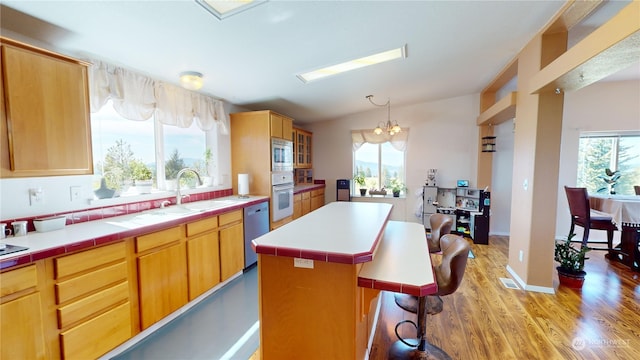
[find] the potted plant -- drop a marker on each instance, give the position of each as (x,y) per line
(141,175)
(611,178)
(571,270)
(359,179)
(396,187)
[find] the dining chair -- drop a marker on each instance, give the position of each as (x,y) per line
(589,219)
(448,275)
(637,189)
(441,224)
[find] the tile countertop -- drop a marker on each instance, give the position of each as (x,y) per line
(307,187)
(99,232)
(341,232)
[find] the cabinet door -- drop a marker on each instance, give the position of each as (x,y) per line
(317,199)
(47,115)
(276,125)
(306,203)
(21,329)
(297,206)
(231,250)
(203,263)
(162,277)
(287,128)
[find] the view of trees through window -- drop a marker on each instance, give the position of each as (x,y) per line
(618,152)
(379,164)
(125,152)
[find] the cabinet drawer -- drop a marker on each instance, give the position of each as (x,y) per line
(98,335)
(95,303)
(90,282)
(201,226)
(317,192)
(297,197)
(77,263)
(159,238)
(306,195)
(230,217)
(18,280)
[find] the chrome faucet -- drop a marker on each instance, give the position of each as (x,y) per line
(178,195)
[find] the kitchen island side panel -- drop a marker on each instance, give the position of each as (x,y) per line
(310,313)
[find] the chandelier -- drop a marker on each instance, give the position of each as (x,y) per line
(387,127)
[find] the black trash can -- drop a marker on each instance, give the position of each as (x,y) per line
(343,190)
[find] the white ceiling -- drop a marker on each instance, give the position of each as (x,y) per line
(251,59)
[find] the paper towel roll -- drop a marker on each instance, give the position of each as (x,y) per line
(243,184)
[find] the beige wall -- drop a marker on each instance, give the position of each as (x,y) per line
(443,135)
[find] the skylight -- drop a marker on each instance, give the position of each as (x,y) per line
(225,8)
(353,64)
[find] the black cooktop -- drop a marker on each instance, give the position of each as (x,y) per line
(11,249)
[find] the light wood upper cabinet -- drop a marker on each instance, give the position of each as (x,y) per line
(281,126)
(302,145)
(45,124)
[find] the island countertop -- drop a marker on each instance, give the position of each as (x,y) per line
(340,232)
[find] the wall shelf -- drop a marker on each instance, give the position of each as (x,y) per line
(501,111)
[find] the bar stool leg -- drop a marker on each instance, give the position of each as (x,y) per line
(423,350)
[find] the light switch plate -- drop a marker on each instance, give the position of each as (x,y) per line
(303,263)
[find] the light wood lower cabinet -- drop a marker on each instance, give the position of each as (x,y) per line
(231,244)
(162,283)
(297,206)
(306,203)
(317,199)
(203,254)
(21,323)
(92,298)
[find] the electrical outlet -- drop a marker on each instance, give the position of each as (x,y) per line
(75,192)
(36,195)
(303,263)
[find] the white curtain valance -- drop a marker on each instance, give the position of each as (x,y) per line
(398,141)
(138,97)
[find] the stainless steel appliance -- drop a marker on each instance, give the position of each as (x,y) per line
(282,194)
(256,224)
(281,155)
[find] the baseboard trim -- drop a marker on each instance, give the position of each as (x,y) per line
(525,286)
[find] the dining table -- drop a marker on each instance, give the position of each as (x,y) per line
(625,212)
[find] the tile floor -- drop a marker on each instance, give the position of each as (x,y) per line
(223,326)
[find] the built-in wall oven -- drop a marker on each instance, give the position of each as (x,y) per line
(282,195)
(281,155)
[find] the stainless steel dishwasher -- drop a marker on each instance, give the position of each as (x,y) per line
(256,224)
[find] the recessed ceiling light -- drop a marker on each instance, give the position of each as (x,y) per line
(225,8)
(354,64)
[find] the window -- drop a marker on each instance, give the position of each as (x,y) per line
(380,162)
(123,149)
(615,151)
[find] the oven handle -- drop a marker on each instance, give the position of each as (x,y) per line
(283,187)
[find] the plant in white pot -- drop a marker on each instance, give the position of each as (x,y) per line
(571,270)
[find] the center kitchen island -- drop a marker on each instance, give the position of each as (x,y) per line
(318,277)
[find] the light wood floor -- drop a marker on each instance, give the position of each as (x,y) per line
(485,320)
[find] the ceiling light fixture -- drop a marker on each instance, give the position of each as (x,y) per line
(224,8)
(387,127)
(191,80)
(354,64)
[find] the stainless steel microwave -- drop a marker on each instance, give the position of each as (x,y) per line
(281,155)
